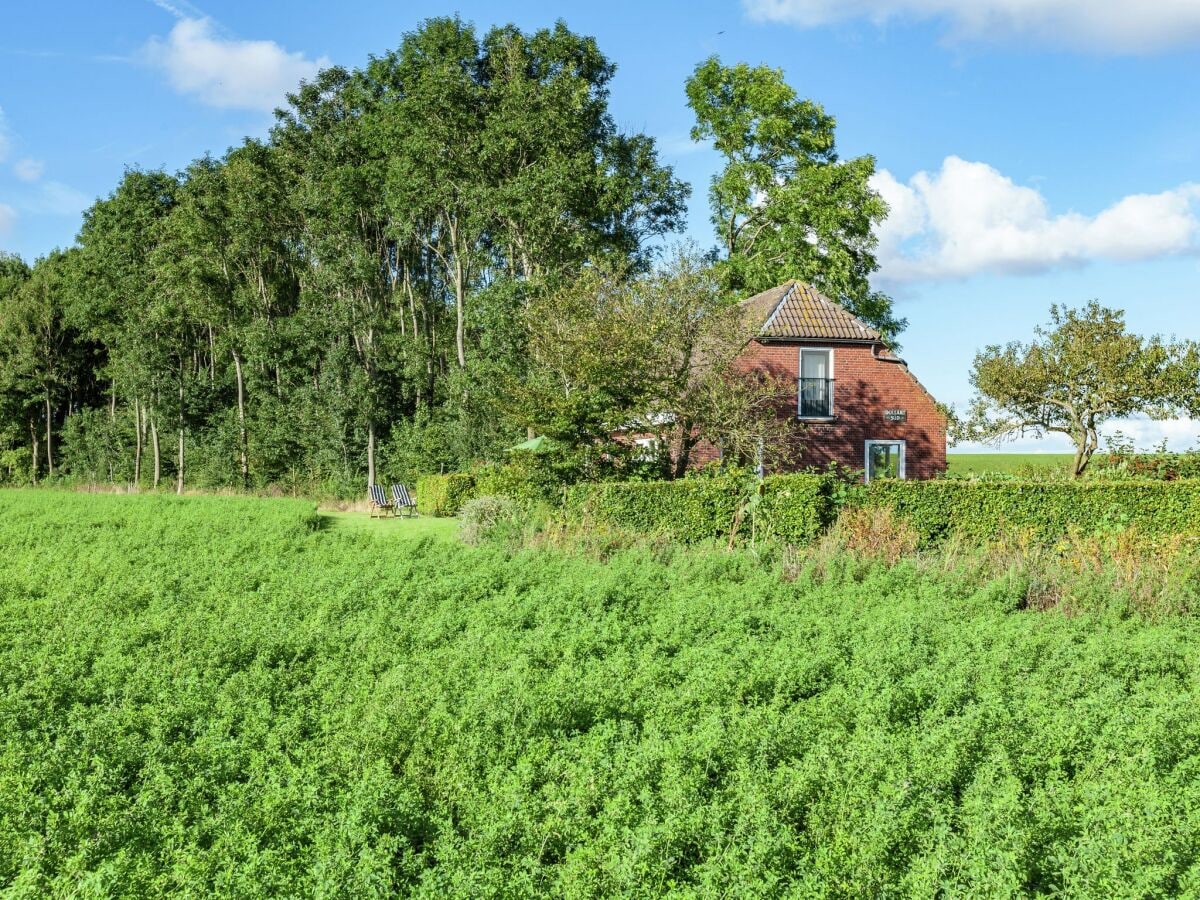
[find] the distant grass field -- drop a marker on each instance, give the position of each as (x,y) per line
(965,463)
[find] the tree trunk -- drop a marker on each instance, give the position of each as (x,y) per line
(370,453)
(686,442)
(138,430)
(179,464)
(34,440)
(460,311)
(243,442)
(49,440)
(157,451)
(1086,446)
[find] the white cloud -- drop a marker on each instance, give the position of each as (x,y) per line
(29,169)
(969,218)
(8,217)
(228,72)
(1122,26)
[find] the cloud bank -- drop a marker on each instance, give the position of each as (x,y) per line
(967,218)
(226,72)
(1115,26)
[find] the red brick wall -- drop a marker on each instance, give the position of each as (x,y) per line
(863,388)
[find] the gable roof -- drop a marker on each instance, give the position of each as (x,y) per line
(797,311)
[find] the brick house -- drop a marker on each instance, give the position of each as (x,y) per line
(860,405)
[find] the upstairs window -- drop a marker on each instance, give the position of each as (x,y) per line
(816,384)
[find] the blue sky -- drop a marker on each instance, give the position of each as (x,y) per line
(1033,151)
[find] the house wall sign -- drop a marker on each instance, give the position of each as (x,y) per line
(895,415)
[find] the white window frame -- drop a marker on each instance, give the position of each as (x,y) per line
(867,456)
(800,380)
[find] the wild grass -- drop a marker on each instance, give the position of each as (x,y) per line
(215,696)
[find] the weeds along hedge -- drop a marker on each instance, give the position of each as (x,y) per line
(211,698)
(790,507)
(1045,510)
(444,495)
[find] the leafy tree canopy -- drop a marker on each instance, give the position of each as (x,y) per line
(784,205)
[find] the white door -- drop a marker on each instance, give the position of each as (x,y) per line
(885,459)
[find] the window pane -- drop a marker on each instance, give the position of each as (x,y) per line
(814,364)
(816,388)
(885,461)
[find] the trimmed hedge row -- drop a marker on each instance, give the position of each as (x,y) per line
(1046,510)
(796,508)
(444,495)
(789,507)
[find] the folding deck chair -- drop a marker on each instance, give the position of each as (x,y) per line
(380,505)
(403,501)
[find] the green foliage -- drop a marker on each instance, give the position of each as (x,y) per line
(300,310)
(444,495)
(209,697)
(789,507)
(538,477)
(1046,510)
(1159,466)
(784,205)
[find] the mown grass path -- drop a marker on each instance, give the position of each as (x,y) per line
(391,527)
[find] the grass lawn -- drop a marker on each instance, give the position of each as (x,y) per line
(362,523)
(964,463)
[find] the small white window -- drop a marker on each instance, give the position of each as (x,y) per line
(884,459)
(816,383)
(648,449)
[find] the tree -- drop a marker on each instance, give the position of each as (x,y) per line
(42,352)
(14,395)
(1083,370)
(589,348)
(658,353)
(784,205)
(117,287)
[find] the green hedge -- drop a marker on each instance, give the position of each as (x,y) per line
(1045,510)
(790,507)
(521,480)
(444,495)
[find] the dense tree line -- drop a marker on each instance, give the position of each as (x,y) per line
(352,296)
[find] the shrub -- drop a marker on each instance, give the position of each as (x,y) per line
(483,517)
(789,507)
(444,495)
(1046,510)
(1159,466)
(527,476)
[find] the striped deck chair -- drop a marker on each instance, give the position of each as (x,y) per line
(379,503)
(403,501)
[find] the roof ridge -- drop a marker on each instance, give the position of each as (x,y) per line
(803,312)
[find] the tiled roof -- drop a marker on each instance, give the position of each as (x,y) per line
(796,310)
